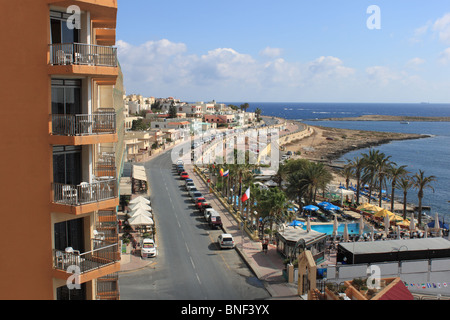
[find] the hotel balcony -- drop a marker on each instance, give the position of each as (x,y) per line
(84,60)
(83,129)
(99,262)
(85,197)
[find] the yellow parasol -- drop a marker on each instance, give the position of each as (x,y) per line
(383,212)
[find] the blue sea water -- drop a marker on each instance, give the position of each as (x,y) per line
(431,155)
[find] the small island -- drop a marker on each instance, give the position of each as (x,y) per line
(375,117)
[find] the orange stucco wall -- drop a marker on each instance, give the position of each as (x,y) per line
(25,161)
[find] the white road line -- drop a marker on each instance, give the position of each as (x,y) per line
(187,248)
(192,262)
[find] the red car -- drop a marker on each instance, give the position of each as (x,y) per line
(200,202)
(184,175)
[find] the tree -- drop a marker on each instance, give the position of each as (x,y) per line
(404,184)
(357,166)
(258,113)
(421,182)
(395,173)
(172,111)
(244,106)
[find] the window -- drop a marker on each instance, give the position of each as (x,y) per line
(67,164)
(60,32)
(66,96)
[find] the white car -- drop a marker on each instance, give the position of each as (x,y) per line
(148,248)
(207,213)
(225,240)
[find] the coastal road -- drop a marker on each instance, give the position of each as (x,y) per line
(189,265)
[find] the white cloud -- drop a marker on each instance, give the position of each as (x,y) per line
(414,62)
(269,52)
(442,27)
(444,57)
(382,75)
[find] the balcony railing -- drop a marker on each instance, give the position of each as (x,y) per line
(85,193)
(83,124)
(103,254)
(82,54)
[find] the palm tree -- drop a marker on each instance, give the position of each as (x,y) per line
(421,182)
(394,174)
(404,184)
(347,173)
(357,166)
(382,165)
(277,202)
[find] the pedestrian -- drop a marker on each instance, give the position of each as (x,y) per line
(265,244)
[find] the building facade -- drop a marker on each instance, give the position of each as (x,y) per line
(61,70)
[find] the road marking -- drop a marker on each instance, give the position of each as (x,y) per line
(187,247)
(192,262)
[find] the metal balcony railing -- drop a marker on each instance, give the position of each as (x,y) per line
(83,124)
(103,254)
(83,54)
(85,193)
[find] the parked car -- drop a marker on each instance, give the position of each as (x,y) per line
(201,205)
(207,213)
(204,207)
(192,190)
(215,222)
(148,248)
(184,175)
(199,202)
(196,195)
(225,240)
(189,183)
(180,169)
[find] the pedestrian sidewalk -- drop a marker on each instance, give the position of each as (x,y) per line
(268,267)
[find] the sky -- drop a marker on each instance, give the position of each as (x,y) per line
(286,51)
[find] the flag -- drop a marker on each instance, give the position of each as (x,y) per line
(221,172)
(246,195)
(225,174)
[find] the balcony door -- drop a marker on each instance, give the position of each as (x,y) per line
(66,96)
(67,165)
(69,233)
(60,31)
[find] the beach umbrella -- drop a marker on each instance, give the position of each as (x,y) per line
(308,225)
(140,211)
(426,231)
(346,238)
(140,205)
(372,233)
(398,233)
(296,223)
(361,225)
(383,213)
(387,223)
(412,225)
(310,208)
(335,226)
(139,199)
(437,225)
(141,220)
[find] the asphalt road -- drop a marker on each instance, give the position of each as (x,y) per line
(189,265)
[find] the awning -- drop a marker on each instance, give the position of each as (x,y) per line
(139,173)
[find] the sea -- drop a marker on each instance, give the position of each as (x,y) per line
(431,155)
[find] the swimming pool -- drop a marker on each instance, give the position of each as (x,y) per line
(353,228)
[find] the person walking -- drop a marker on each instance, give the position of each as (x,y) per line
(265,244)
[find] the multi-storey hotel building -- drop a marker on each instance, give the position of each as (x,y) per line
(62,149)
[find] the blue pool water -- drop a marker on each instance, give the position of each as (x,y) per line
(353,228)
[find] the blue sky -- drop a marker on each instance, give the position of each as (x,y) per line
(298,51)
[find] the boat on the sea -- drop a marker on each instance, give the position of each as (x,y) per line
(404,122)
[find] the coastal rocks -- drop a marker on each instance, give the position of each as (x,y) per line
(331,143)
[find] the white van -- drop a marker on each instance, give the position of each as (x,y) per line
(148,248)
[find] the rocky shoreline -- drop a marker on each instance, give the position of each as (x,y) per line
(327,144)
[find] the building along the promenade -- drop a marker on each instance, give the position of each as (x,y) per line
(62,140)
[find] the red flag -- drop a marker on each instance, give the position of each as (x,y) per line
(246,195)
